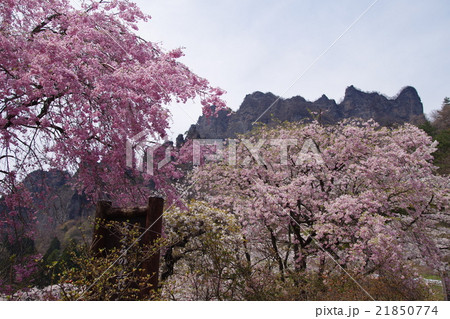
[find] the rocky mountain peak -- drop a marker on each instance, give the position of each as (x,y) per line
(406,107)
(409,91)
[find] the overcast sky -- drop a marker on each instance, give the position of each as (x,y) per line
(246,46)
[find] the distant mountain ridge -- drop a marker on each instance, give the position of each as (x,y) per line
(405,107)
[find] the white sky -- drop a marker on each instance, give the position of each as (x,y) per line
(248,45)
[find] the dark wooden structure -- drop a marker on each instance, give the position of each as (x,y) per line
(147,218)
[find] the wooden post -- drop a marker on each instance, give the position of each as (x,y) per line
(146,217)
(100,235)
(154,221)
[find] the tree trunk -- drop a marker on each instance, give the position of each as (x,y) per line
(445,284)
(277,253)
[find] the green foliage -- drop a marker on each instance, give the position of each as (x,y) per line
(439,129)
(117,275)
(442,155)
(54,261)
(203,255)
(12,254)
(55,247)
(23,247)
(75,230)
(428,127)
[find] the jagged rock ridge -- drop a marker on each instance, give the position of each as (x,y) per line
(55,186)
(406,107)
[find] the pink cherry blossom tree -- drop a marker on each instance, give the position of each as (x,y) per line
(74,85)
(366,199)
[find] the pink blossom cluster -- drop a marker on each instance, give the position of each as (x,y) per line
(74,85)
(362,205)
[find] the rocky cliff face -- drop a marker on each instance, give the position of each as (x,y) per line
(406,107)
(54,187)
